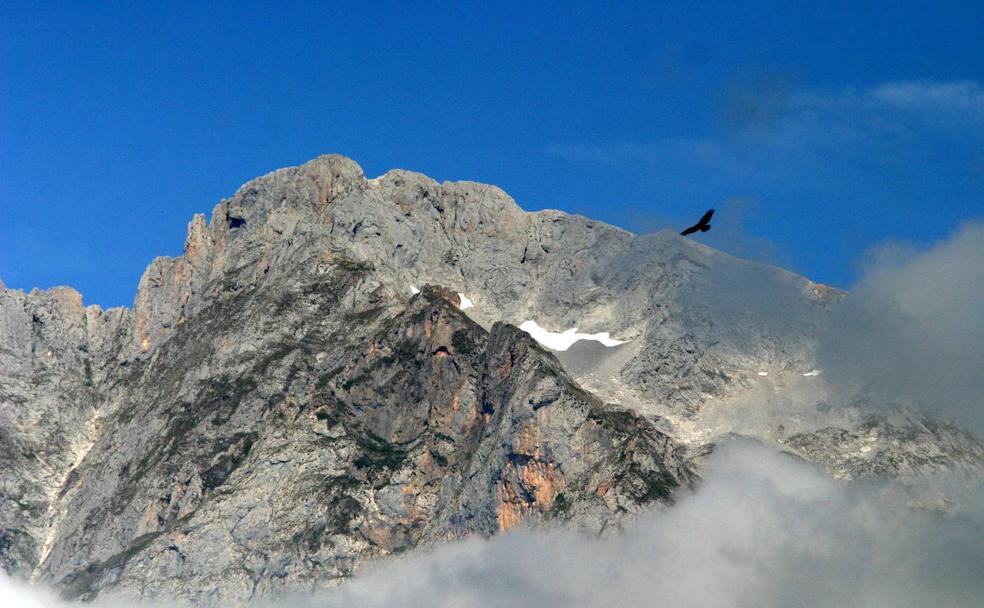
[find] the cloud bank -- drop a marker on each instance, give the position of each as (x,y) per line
(763,530)
(912,330)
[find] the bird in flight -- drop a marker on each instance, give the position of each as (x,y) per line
(703,225)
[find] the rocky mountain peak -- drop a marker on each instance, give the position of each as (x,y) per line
(333,372)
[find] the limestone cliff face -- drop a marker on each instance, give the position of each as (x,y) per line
(278,407)
(53,358)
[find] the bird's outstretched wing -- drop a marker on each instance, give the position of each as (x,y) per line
(702,226)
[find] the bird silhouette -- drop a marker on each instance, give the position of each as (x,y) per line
(702,226)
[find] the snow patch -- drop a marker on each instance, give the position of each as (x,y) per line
(465,302)
(813,372)
(763,373)
(563,341)
(414,290)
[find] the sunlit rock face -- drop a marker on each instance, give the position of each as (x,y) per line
(333,373)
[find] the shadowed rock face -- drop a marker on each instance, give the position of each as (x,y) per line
(278,408)
(279,438)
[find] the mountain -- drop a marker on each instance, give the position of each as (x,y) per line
(332,373)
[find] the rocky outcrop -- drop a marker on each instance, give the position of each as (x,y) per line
(50,376)
(881,447)
(306,430)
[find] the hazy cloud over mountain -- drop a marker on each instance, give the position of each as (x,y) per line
(912,329)
(763,530)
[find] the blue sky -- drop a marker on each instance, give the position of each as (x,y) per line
(818,132)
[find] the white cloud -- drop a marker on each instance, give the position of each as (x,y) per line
(764,530)
(19,595)
(806,126)
(965,96)
(912,330)
(892,110)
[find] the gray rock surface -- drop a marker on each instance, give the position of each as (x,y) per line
(278,407)
(882,447)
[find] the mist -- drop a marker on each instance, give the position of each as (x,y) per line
(764,529)
(912,330)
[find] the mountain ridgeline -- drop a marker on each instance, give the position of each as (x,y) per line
(304,389)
